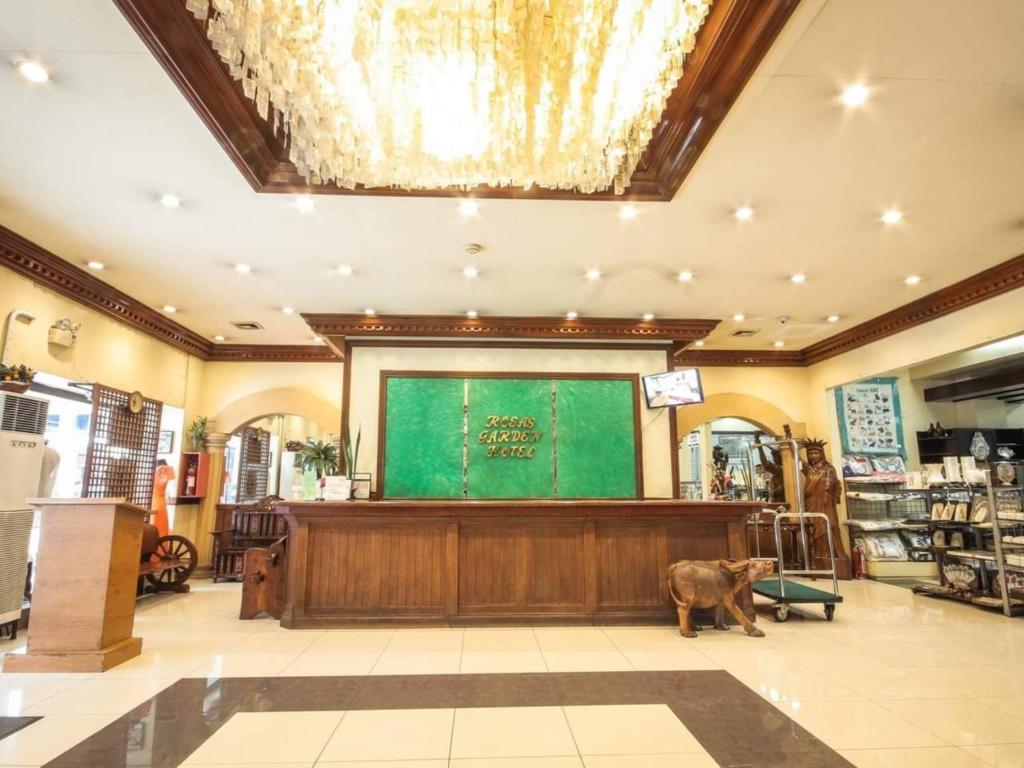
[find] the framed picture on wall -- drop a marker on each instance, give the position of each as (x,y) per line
(361,482)
(166,442)
(870,421)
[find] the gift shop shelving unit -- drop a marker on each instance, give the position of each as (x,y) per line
(881,511)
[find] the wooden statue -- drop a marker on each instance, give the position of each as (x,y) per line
(714,584)
(773,469)
(822,492)
(719,479)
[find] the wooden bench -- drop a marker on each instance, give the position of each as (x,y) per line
(250,526)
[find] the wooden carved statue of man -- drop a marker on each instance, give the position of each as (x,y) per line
(822,491)
(773,470)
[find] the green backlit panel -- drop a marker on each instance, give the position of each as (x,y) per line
(596,439)
(423,449)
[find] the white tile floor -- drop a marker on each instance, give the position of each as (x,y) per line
(896,680)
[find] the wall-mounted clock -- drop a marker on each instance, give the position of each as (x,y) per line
(135,402)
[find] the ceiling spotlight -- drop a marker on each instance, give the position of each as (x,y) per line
(628,212)
(739,317)
(798,278)
(912,279)
(593,274)
(855,95)
(288,310)
(744,213)
(218,337)
(892,216)
(648,317)
(369,312)
(471,314)
(168,200)
(685,276)
(699,343)
(316,340)
(469,207)
(97,265)
(778,344)
(833,318)
(345,270)
(303,204)
(571,314)
(243,269)
(170,309)
(33,71)
(470,272)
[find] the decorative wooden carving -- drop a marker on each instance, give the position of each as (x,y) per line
(736,357)
(272,353)
(253,464)
(735,37)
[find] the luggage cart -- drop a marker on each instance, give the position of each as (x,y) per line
(783,592)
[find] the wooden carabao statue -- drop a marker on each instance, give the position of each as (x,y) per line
(714,584)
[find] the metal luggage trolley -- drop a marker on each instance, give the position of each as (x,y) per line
(784,592)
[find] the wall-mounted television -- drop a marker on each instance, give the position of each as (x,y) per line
(666,390)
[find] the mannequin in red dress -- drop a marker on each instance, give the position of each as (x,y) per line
(161,477)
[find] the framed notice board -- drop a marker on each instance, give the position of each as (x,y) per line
(509,436)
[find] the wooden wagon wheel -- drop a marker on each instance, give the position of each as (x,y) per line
(179,551)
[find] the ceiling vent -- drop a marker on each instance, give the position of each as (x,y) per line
(743,333)
(247,325)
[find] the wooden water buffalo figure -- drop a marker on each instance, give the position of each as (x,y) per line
(714,584)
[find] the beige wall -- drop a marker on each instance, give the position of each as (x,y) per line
(368,362)
(106,351)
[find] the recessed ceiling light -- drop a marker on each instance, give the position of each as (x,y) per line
(912,279)
(744,213)
(170,309)
(97,265)
(571,314)
(892,216)
(628,212)
(648,317)
(288,310)
(699,343)
(593,274)
(739,317)
(345,270)
(369,312)
(685,276)
(798,278)
(33,71)
(169,200)
(855,95)
(316,339)
(471,314)
(303,204)
(779,343)
(243,269)
(833,318)
(218,337)
(470,272)
(469,207)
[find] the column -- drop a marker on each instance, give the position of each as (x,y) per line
(206,521)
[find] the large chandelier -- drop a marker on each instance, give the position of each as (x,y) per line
(431,94)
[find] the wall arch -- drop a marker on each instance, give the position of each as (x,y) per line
(273,401)
(732,404)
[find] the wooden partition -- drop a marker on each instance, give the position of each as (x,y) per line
(422,562)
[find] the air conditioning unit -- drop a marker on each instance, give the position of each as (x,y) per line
(22,424)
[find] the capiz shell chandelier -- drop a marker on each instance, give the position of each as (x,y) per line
(433,94)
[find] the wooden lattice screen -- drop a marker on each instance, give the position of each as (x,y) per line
(122,447)
(253,464)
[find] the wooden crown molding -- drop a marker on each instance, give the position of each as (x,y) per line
(738,358)
(735,37)
(44,268)
(352,326)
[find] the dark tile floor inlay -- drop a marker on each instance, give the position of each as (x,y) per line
(735,725)
(9,725)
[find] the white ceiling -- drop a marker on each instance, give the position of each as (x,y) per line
(84,158)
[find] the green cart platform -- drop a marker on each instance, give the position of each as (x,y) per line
(792,592)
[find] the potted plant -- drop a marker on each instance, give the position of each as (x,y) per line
(322,458)
(351,452)
(15,378)
(197,431)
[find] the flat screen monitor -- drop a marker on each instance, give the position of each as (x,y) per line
(665,390)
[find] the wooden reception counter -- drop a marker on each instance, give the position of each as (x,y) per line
(492,562)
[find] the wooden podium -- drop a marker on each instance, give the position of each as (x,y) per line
(83,604)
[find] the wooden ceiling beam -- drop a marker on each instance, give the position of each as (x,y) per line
(978,388)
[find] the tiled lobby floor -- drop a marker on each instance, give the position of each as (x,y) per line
(896,681)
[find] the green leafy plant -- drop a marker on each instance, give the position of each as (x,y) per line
(351,452)
(197,431)
(318,456)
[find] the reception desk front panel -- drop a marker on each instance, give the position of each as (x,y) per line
(380,562)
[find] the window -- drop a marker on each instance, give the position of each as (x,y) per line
(82,421)
(52,421)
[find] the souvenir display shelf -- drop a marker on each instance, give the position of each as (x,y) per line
(988,554)
(878,508)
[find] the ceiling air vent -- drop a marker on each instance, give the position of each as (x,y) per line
(744,333)
(247,325)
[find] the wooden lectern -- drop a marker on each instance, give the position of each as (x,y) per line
(83,604)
